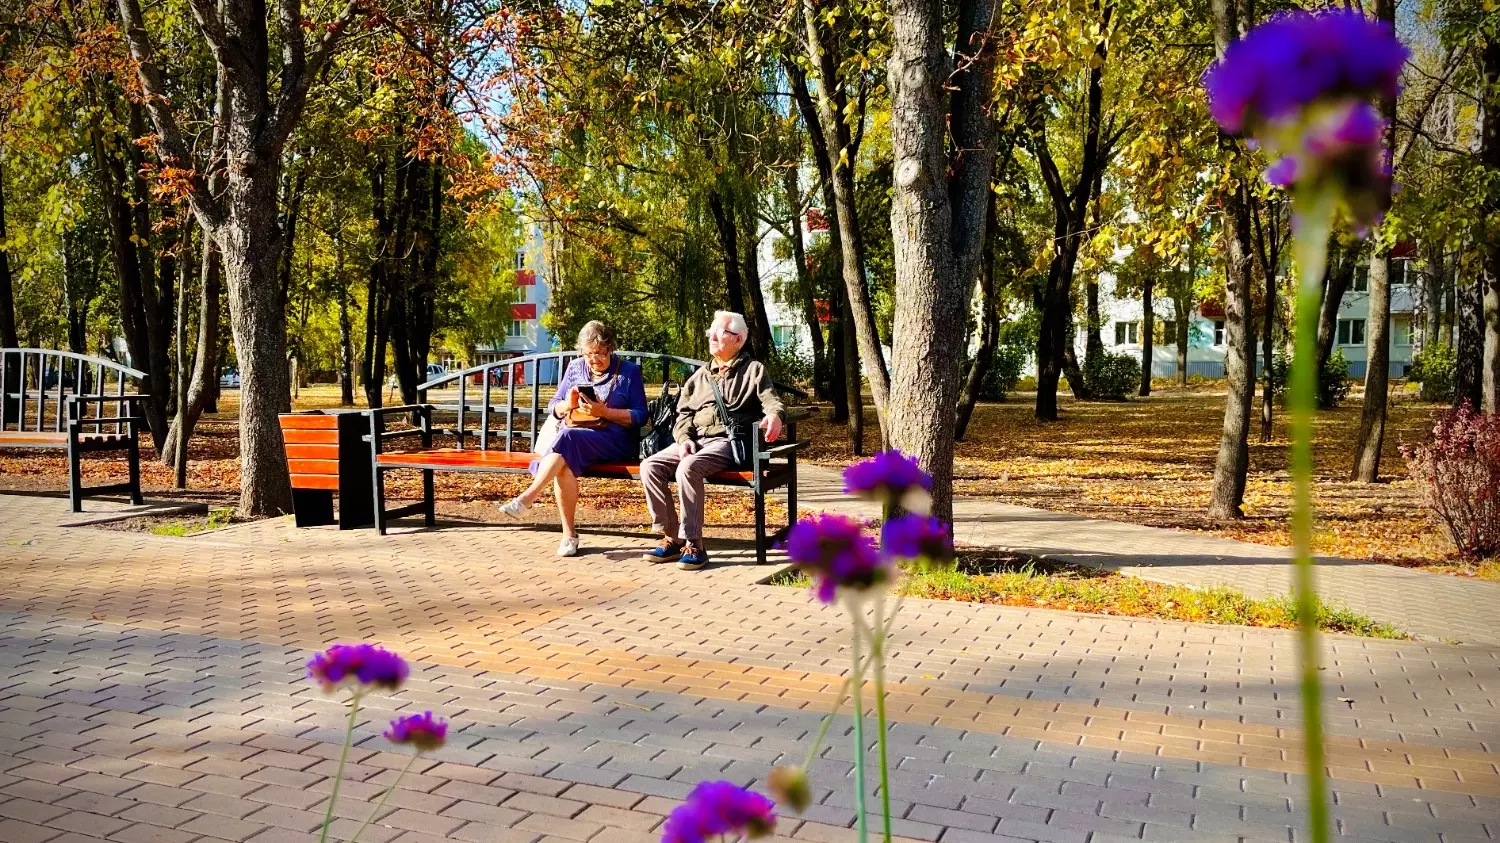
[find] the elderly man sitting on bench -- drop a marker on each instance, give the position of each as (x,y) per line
(702,439)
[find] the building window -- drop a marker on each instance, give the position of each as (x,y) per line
(520,260)
(1404,330)
(1219,332)
(1351,332)
(517,328)
(781,335)
(1169,330)
(1361,279)
(1127,333)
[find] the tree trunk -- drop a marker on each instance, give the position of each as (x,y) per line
(1148,328)
(854,387)
(1371,438)
(1489,154)
(1340,277)
(729,238)
(805,293)
(841,152)
(204,384)
(8,338)
(1233,461)
(1184,314)
(838,395)
(184,267)
(1429,300)
(1268,251)
(938,222)
(759,318)
(1468,382)
(346,331)
(989,328)
(1093,339)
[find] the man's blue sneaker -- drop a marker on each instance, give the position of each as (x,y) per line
(693,558)
(670,550)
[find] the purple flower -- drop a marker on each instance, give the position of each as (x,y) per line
(918,537)
(890,477)
(1298,59)
(422,731)
(837,554)
(358,664)
(718,808)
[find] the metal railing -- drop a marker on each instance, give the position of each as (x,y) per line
(70,379)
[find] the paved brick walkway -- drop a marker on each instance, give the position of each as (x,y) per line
(150,691)
(1431,606)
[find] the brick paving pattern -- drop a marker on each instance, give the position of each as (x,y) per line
(151,690)
(1431,606)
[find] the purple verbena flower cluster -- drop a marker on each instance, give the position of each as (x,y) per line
(422,731)
(1299,84)
(917,537)
(719,808)
(1294,60)
(892,478)
(837,554)
(362,665)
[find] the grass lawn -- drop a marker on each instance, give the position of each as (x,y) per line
(1012,580)
(1150,461)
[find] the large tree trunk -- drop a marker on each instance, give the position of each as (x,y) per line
(1371,438)
(8,338)
(842,151)
(1429,300)
(853,380)
(938,223)
(1468,381)
(1489,154)
(759,318)
(1184,314)
(204,382)
(1233,461)
(989,328)
(729,239)
(346,331)
(1268,254)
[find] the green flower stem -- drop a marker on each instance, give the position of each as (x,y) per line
(859,727)
(338,776)
(1312,224)
(384,796)
(877,655)
(838,703)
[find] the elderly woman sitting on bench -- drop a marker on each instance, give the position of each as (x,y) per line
(600,404)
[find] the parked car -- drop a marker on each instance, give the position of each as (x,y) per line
(230,379)
(434,370)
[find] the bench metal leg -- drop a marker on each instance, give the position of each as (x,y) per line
(312,507)
(760,527)
(430,516)
(379,495)
(75,475)
(135,471)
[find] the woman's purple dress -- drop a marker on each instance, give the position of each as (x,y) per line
(582,447)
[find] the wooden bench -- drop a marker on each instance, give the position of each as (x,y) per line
(56,400)
(771,467)
(326,455)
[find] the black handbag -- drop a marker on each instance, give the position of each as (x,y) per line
(737,432)
(661,417)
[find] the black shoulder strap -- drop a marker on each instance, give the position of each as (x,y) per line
(718,399)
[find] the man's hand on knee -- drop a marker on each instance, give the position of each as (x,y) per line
(685,449)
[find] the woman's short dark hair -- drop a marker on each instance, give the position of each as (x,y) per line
(596,333)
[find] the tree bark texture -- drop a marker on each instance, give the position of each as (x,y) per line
(806,295)
(1468,380)
(1233,461)
(1371,437)
(264,104)
(729,240)
(1339,278)
(204,382)
(1489,154)
(842,151)
(8,338)
(938,222)
(1268,250)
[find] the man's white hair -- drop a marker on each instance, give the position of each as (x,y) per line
(736,321)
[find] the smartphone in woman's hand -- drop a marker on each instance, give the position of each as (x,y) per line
(587,391)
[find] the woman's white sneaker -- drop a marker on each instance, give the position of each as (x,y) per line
(515,508)
(568,546)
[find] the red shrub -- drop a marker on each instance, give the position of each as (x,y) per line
(1459,472)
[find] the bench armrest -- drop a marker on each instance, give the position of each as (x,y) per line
(783,450)
(112,399)
(404,408)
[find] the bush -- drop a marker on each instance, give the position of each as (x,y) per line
(1333,381)
(1111,376)
(1003,374)
(1435,368)
(1459,474)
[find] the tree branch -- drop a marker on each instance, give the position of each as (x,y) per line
(302,70)
(169,139)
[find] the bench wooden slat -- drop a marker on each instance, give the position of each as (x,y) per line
(312,452)
(314,466)
(300,421)
(37,439)
(519,461)
(310,437)
(316,481)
